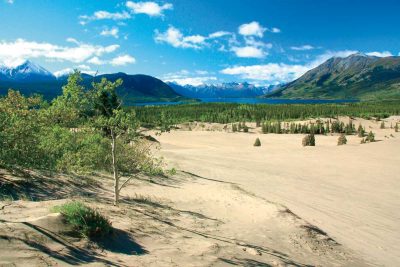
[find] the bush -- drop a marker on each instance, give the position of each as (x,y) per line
(309,140)
(86,221)
(257,142)
(382,125)
(342,140)
(370,137)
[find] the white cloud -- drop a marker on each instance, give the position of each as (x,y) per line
(249,52)
(270,73)
(302,47)
(252,29)
(102,15)
(275,30)
(219,34)
(380,54)
(10,2)
(63,72)
(95,61)
(83,68)
(13,52)
(110,32)
(122,60)
(149,8)
(175,38)
(184,77)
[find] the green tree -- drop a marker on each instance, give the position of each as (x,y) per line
(257,142)
(309,140)
(382,125)
(342,140)
(370,137)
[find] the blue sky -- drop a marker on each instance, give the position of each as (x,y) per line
(192,41)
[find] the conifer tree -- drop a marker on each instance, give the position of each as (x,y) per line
(257,142)
(342,140)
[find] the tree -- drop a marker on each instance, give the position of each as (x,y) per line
(342,140)
(370,137)
(309,140)
(113,122)
(257,142)
(360,131)
(382,125)
(396,128)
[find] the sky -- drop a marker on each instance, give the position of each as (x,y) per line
(196,41)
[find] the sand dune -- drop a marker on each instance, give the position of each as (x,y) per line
(349,191)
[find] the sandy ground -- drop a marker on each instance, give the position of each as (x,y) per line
(351,192)
(230,204)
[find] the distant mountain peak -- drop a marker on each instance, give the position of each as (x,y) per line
(26,71)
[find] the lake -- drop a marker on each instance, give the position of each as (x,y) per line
(253,101)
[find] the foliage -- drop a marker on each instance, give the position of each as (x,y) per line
(257,142)
(308,140)
(342,140)
(370,137)
(151,116)
(86,221)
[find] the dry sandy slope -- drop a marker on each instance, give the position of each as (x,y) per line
(351,192)
(183,221)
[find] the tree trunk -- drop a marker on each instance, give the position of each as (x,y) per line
(114,167)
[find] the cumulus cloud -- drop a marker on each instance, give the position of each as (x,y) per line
(103,15)
(302,48)
(249,52)
(83,68)
(96,61)
(175,38)
(12,53)
(122,60)
(380,54)
(184,77)
(219,34)
(110,32)
(149,8)
(252,29)
(270,73)
(280,72)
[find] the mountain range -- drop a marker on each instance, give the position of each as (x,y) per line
(357,76)
(30,78)
(223,90)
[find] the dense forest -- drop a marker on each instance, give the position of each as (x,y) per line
(152,116)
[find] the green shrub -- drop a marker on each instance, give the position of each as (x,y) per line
(84,220)
(370,137)
(342,140)
(382,125)
(257,142)
(309,140)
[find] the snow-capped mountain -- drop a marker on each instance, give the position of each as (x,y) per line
(26,72)
(225,90)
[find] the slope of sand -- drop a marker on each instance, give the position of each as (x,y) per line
(186,220)
(351,192)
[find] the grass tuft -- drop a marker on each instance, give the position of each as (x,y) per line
(87,222)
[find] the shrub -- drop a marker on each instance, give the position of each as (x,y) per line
(257,142)
(342,140)
(245,129)
(86,221)
(382,125)
(360,131)
(362,141)
(309,140)
(396,128)
(370,137)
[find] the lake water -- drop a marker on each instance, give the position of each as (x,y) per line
(252,101)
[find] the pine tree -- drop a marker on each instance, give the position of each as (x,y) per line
(360,131)
(382,125)
(309,140)
(257,142)
(396,128)
(370,137)
(342,140)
